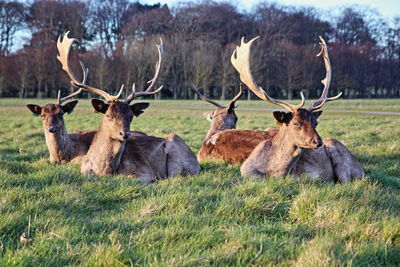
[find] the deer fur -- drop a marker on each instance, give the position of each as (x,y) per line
(111,151)
(331,162)
(296,148)
(144,157)
(283,155)
(64,147)
(225,143)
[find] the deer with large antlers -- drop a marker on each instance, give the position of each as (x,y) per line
(112,151)
(65,147)
(223,141)
(296,147)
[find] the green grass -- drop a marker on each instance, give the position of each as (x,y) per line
(216,218)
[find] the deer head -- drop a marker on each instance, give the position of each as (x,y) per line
(53,114)
(298,124)
(223,117)
(117,114)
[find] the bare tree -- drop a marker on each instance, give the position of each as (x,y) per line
(12,18)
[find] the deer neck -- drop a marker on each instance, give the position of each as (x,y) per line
(104,155)
(283,154)
(60,145)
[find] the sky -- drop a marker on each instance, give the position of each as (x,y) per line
(388,8)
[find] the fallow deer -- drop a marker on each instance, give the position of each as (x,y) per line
(112,152)
(223,142)
(63,146)
(296,148)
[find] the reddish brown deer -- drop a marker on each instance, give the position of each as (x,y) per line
(112,152)
(223,142)
(296,148)
(63,146)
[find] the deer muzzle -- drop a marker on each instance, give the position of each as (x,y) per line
(125,134)
(52,129)
(317,142)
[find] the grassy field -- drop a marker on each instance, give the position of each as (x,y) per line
(216,218)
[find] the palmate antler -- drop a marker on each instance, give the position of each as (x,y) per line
(241,61)
(231,104)
(64,47)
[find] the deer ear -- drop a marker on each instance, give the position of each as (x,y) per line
(138,108)
(282,117)
(69,107)
(317,114)
(35,109)
(99,106)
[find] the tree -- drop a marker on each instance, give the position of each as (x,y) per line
(12,18)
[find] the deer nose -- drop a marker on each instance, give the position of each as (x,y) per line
(125,135)
(53,129)
(317,141)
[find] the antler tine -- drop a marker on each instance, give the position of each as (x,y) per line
(317,104)
(134,95)
(64,48)
(239,94)
(145,93)
(85,72)
(232,105)
(152,82)
(202,97)
(130,97)
(240,60)
(58,97)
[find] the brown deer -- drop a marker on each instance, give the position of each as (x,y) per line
(63,146)
(296,148)
(112,152)
(223,142)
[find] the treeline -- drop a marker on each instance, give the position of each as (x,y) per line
(118,38)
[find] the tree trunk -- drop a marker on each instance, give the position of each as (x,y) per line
(39,93)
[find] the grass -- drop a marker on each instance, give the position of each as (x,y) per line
(216,218)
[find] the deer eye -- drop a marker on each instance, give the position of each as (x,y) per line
(296,124)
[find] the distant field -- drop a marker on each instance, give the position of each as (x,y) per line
(216,218)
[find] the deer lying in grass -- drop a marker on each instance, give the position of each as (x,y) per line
(296,148)
(112,152)
(223,142)
(63,146)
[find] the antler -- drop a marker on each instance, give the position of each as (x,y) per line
(317,104)
(239,94)
(152,82)
(241,61)
(202,97)
(64,48)
(232,105)
(85,73)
